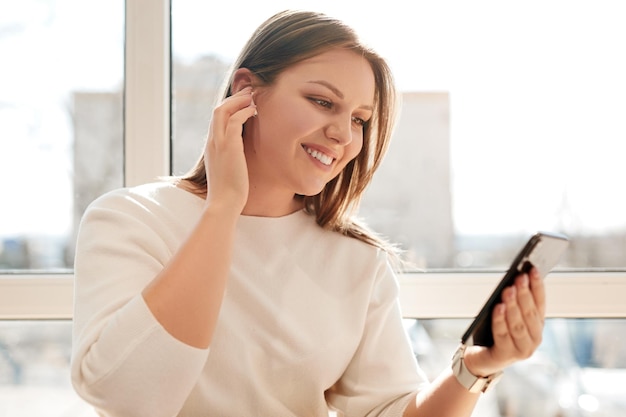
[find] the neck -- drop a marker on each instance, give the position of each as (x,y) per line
(271,207)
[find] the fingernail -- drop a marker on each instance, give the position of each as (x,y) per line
(252,103)
(511,293)
(524,280)
(535,274)
(500,309)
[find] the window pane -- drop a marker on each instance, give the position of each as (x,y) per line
(34,370)
(579,369)
(61,112)
(512,120)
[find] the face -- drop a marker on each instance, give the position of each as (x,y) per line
(309,124)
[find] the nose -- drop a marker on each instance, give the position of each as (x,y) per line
(339,129)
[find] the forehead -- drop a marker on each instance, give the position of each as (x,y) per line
(346,70)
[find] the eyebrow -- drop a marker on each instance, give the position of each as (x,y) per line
(337,92)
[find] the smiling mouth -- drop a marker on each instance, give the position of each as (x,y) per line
(322,157)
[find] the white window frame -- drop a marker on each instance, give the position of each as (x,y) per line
(589,294)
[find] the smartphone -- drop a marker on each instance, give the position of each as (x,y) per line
(543,251)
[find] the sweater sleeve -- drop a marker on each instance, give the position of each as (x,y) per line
(123,361)
(383,374)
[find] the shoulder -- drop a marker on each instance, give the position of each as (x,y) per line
(134,195)
(160,207)
(148,219)
(336,241)
(151,198)
(359,258)
(358,249)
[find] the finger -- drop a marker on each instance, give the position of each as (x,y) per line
(516,325)
(229,108)
(538,290)
(529,310)
(230,136)
(500,329)
(232,105)
(234,126)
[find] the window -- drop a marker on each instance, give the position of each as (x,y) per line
(483,122)
(34,377)
(61,109)
(61,112)
(511,121)
(575,371)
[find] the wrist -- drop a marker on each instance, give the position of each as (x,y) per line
(473,380)
(478,361)
(227,211)
(220,217)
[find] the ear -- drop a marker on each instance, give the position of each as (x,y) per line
(242,78)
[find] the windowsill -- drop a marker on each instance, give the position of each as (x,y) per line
(423,295)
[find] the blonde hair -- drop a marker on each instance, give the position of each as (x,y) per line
(293,36)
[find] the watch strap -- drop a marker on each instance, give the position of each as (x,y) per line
(470,381)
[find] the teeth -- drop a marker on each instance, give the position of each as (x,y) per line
(324,159)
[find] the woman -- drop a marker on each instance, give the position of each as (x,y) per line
(245,288)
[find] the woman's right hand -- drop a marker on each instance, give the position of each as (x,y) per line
(225,162)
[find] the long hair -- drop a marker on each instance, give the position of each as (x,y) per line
(290,37)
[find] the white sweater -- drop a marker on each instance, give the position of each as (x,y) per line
(310,319)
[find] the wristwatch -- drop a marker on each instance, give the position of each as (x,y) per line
(470,381)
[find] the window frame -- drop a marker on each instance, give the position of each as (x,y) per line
(147,97)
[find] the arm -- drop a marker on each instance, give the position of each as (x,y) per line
(123,361)
(517,327)
(186,296)
(146,304)
(383,373)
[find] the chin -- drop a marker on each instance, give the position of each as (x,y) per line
(311,186)
(308,194)
(311,191)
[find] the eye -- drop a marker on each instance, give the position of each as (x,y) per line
(358,121)
(321,102)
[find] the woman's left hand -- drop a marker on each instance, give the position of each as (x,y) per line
(517,326)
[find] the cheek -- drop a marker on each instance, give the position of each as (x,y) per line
(351,151)
(278,126)
(354,148)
